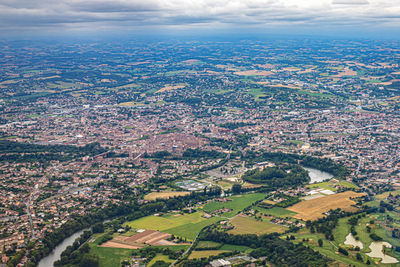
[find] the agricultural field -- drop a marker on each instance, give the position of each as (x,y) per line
(383,196)
(205,253)
(208,245)
(148,237)
(332,185)
(187,225)
(237,204)
(110,256)
(314,208)
(164,195)
(270,202)
(276,211)
(236,247)
(159,257)
(247,225)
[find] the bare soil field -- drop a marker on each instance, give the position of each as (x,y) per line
(345,72)
(149,237)
(314,208)
(170,88)
(112,244)
(164,195)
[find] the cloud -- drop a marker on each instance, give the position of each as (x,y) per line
(119,14)
(350,2)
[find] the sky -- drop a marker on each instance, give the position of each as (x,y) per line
(312,17)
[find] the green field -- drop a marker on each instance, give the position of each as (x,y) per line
(237,204)
(159,257)
(205,253)
(341,230)
(256,92)
(208,244)
(111,256)
(330,185)
(276,211)
(236,247)
(324,185)
(114,256)
(386,194)
(174,248)
(187,225)
(247,225)
(330,248)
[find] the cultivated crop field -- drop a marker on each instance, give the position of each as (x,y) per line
(164,195)
(386,194)
(331,185)
(149,237)
(208,245)
(110,256)
(205,253)
(314,208)
(159,257)
(277,212)
(187,225)
(247,225)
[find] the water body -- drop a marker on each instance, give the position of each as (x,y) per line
(377,252)
(350,240)
(48,261)
(55,255)
(317,175)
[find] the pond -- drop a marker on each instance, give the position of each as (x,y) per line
(317,175)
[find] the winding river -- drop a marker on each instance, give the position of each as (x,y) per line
(54,256)
(48,261)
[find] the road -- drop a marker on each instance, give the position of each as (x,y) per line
(184,253)
(28,208)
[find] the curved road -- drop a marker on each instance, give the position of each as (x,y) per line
(184,253)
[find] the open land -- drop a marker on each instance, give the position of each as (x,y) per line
(315,208)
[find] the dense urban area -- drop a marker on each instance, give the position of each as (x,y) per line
(200,153)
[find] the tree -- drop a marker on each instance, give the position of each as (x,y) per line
(343,251)
(89,261)
(375,237)
(359,257)
(161,264)
(236,188)
(98,228)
